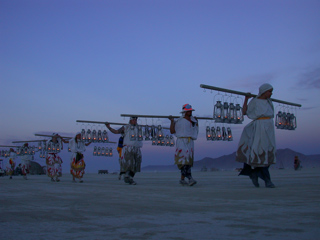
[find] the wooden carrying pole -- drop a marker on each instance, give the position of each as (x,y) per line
(112,123)
(160,116)
(244,94)
(44,135)
(29,141)
(8,146)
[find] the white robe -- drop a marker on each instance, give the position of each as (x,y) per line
(186,133)
(257,145)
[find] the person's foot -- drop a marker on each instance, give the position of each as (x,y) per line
(183,182)
(81,181)
(57,180)
(270,185)
(192,182)
(74,180)
(52,180)
(132,182)
(10,177)
(126,179)
(254,179)
(25,178)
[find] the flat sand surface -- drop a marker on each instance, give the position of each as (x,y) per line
(221,206)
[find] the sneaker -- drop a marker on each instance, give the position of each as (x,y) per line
(192,182)
(52,180)
(132,182)
(183,182)
(126,179)
(270,185)
(81,181)
(57,180)
(254,179)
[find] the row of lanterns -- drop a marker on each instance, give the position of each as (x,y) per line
(218,134)
(286,121)
(227,113)
(102,151)
(94,136)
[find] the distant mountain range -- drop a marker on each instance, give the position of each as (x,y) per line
(285,159)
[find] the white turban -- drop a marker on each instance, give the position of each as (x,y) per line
(263,88)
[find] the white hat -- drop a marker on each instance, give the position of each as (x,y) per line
(263,88)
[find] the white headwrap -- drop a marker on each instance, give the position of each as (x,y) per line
(263,88)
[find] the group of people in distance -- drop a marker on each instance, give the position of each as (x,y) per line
(256,149)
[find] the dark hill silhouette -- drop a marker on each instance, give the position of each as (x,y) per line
(285,159)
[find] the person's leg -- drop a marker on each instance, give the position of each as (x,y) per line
(266,177)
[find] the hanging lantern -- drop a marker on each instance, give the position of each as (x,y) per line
(69,149)
(160,133)
(232,113)
(83,135)
(49,147)
(18,150)
(110,152)
(94,136)
(172,143)
(218,134)
(167,140)
(105,137)
(213,134)
(230,137)
(106,152)
(225,112)
(153,133)
(44,147)
(224,134)
(147,133)
(239,115)
(99,137)
(278,122)
(39,146)
(99,151)
(102,151)
(95,151)
(140,134)
(208,133)
(283,120)
(293,122)
(89,136)
(58,147)
(132,133)
(217,112)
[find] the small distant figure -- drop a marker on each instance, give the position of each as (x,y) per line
(297,163)
(53,160)
(11,163)
(25,160)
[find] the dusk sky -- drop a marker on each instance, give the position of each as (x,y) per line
(68,60)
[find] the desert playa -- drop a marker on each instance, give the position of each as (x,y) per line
(221,206)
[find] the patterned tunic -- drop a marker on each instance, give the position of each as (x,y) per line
(54,161)
(257,145)
(186,133)
(131,157)
(77,162)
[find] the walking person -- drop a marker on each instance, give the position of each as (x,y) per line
(77,147)
(11,163)
(257,145)
(186,130)
(53,160)
(130,157)
(25,162)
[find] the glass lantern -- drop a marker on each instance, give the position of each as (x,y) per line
(147,133)
(83,135)
(132,133)
(224,134)
(94,136)
(213,134)
(172,143)
(106,152)
(99,151)
(225,112)
(160,133)
(230,137)
(232,113)
(140,134)
(39,146)
(89,135)
(102,151)
(239,115)
(95,151)
(99,136)
(217,112)
(218,134)
(208,133)
(105,137)
(110,152)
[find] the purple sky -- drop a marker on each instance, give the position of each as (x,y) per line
(62,61)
